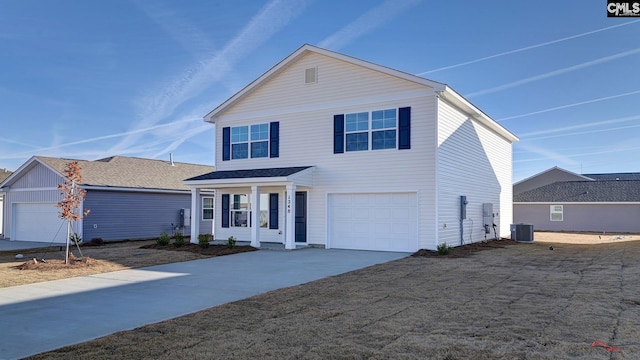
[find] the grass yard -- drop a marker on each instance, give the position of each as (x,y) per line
(522,301)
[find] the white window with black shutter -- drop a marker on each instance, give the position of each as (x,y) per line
(251,141)
(236,210)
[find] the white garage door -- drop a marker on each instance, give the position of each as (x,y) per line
(38,222)
(373,221)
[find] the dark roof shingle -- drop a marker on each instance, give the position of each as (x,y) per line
(584,191)
(250,173)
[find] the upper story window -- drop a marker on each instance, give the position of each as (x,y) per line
(383,129)
(357,131)
(259,140)
(378,128)
(251,141)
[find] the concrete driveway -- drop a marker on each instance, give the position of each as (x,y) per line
(49,315)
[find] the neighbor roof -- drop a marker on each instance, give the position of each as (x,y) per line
(122,172)
(584,191)
(614,176)
(4,173)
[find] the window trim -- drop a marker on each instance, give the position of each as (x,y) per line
(233,211)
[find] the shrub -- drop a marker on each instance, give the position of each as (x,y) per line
(178,239)
(75,238)
(231,242)
(164,239)
(203,240)
(443,249)
(96,242)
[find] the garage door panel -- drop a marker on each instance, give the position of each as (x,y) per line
(38,222)
(373,221)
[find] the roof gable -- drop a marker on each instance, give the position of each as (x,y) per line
(440,89)
(301,53)
(546,177)
(120,172)
(583,191)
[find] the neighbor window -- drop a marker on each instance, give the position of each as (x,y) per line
(379,129)
(239,210)
(557,213)
(207,208)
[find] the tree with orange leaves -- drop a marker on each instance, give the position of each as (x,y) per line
(72,196)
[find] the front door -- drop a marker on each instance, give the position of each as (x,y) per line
(301,217)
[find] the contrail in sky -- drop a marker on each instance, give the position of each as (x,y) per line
(526,48)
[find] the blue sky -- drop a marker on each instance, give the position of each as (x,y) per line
(91,79)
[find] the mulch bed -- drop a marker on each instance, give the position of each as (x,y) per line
(212,250)
(54,264)
(466,250)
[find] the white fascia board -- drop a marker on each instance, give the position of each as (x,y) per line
(451,96)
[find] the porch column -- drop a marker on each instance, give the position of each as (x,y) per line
(255,216)
(290,228)
(195,205)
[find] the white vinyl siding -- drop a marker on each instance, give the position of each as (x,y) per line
(475,162)
(305,114)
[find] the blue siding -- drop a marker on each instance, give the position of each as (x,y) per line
(132,215)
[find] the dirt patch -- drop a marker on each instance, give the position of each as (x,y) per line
(585,238)
(111,256)
(512,302)
(466,250)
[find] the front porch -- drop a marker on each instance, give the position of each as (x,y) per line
(263,207)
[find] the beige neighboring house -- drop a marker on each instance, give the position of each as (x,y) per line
(129,198)
(4,173)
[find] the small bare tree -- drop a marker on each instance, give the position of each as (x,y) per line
(72,196)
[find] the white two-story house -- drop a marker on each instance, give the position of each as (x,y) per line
(328,150)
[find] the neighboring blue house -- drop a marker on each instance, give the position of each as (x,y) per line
(129,198)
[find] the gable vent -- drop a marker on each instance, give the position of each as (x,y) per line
(311,75)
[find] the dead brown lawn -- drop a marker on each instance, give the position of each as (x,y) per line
(104,258)
(522,301)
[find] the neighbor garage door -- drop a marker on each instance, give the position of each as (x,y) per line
(373,221)
(38,222)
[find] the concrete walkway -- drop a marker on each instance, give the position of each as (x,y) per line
(40,317)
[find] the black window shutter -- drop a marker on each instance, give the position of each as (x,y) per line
(273,211)
(404,128)
(338,134)
(274,140)
(225,210)
(226,144)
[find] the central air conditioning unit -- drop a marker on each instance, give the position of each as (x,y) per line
(522,232)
